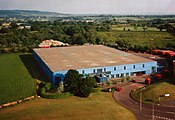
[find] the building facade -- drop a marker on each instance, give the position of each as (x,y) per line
(110,66)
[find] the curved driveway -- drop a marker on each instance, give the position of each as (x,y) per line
(160,112)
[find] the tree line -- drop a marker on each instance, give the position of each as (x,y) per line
(13,39)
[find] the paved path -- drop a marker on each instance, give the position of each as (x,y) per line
(160,112)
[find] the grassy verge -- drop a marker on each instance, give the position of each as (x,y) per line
(98,106)
(16,81)
(152,93)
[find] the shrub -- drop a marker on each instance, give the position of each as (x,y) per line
(103,83)
(113,89)
(128,78)
(96,90)
(76,84)
(46,87)
(106,90)
(123,79)
(115,82)
(109,83)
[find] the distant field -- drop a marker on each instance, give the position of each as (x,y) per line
(98,106)
(15,80)
(131,28)
(156,39)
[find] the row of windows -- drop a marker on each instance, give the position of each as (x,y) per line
(125,67)
(119,75)
(115,68)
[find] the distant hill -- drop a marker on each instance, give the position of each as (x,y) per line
(29,13)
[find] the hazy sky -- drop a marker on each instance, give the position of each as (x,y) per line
(94,6)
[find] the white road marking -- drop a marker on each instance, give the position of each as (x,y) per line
(162,118)
(171,112)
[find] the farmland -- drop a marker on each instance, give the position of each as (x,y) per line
(98,106)
(132,28)
(16,81)
(139,40)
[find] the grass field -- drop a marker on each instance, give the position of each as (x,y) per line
(98,106)
(145,37)
(155,39)
(152,92)
(120,28)
(16,81)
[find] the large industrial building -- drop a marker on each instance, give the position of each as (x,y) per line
(91,60)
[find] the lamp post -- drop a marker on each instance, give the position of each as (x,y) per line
(141,100)
(153,111)
(165,95)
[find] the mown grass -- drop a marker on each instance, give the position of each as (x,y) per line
(98,106)
(15,80)
(152,93)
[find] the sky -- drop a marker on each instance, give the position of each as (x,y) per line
(144,7)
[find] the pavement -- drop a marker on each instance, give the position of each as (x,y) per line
(163,111)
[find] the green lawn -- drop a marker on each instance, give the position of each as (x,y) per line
(16,81)
(98,106)
(152,92)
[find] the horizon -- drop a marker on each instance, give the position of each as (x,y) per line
(89,13)
(116,7)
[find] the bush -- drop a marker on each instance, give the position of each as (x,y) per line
(106,90)
(76,84)
(113,89)
(128,78)
(109,83)
(96,90)
(46,87)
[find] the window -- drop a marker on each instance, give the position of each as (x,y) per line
(82,71)
(112,76)
(94,71)
(117,75)
(104,69)
(99,70)
(122,75)
(114,68)
(124,67)
(134,66)
(127,74)
(108,72)
(143,65)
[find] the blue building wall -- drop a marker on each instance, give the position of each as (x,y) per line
(111,71)
(43,67)
(115,71)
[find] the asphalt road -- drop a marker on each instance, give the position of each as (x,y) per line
(160,112)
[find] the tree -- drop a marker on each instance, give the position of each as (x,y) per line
(14,25)
(84,86)
(160,27)
(71,77)
(79,39)
(145,28)
(78,85)
(123,29)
